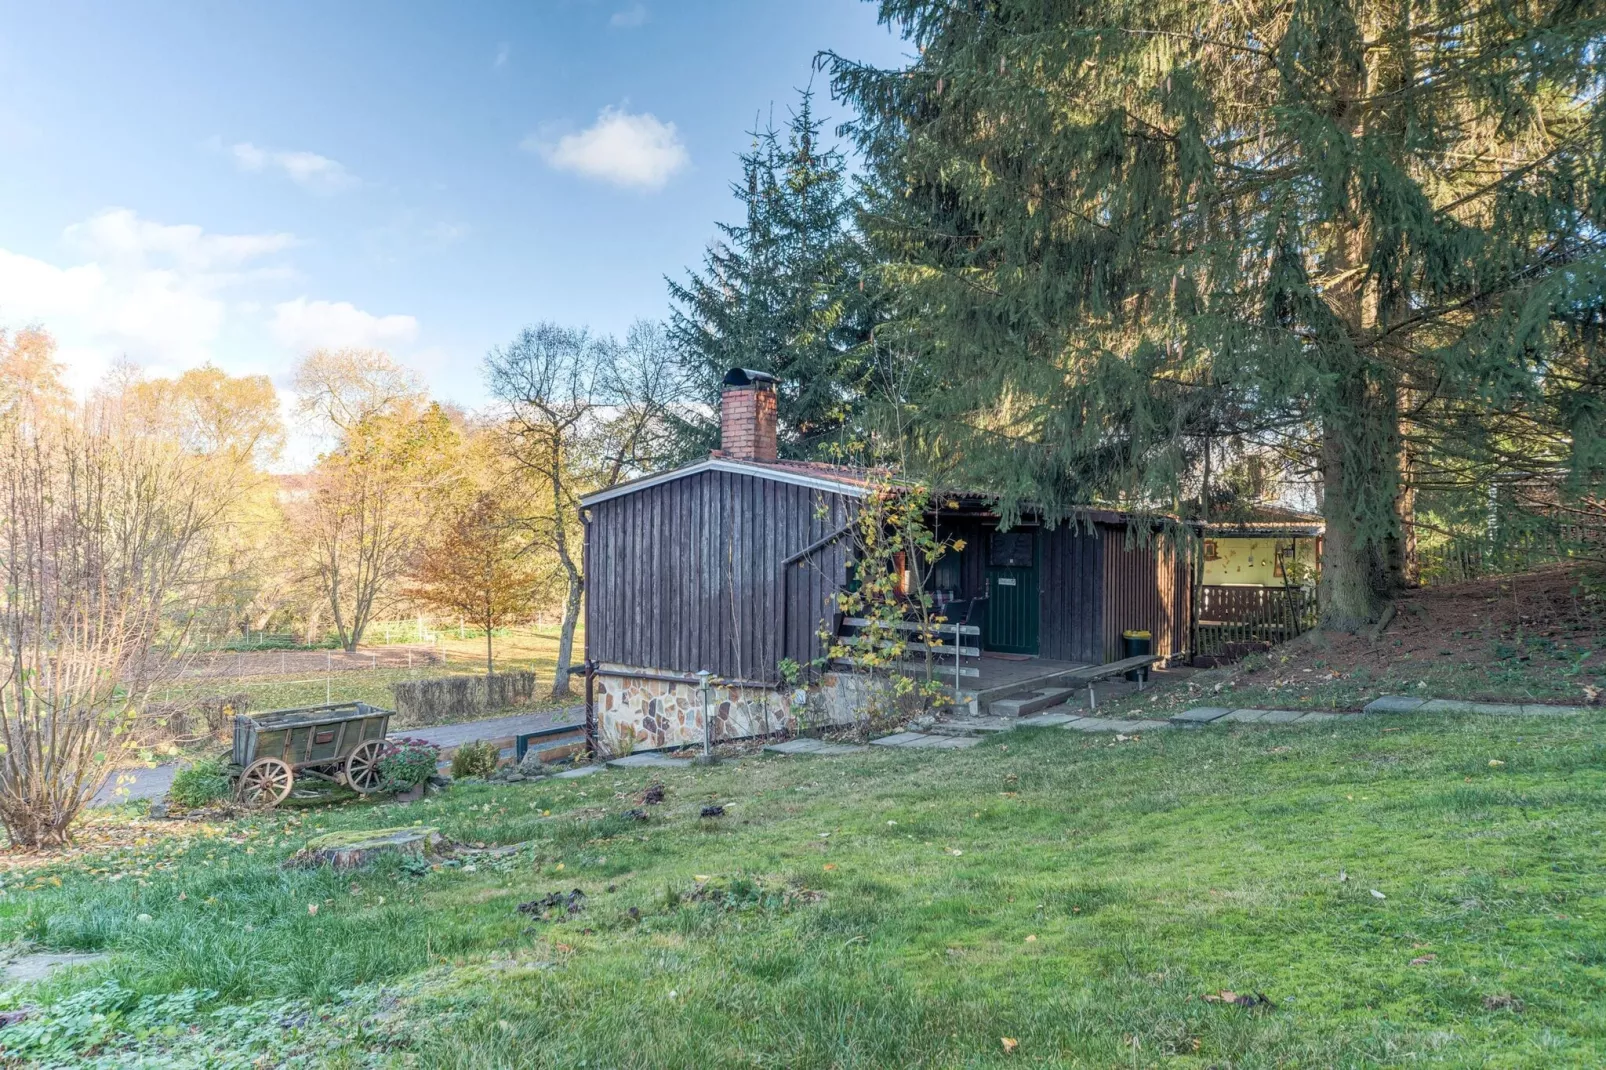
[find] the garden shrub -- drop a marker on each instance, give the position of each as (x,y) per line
(406,762)
(200,783)
(478,758)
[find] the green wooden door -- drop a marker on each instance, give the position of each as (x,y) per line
(1012,600)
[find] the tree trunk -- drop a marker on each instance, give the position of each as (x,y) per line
(489,669)
(1348,587)
(571,617)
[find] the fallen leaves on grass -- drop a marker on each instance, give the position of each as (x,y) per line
(1502,1001)
(1423,960)
(653,795)
(1010,1044)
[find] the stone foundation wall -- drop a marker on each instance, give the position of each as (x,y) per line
(661,713)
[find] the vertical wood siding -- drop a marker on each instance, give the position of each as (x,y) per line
(1070,586)
(1146,587)
(686,575)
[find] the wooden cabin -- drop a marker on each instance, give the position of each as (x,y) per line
(731,566)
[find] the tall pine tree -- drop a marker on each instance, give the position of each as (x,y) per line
(1118,224)
(783,291)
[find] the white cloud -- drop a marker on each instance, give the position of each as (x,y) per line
(304,325)
(170,297)
(119,234)
(621,148)
(310,171)
(503,52)
(150,292)
(631,17)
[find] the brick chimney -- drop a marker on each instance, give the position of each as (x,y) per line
(747,416)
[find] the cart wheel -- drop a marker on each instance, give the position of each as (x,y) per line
(362,767)
(266,782)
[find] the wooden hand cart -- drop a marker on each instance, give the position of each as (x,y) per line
(341,742)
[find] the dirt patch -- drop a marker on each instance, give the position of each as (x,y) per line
(1541,631)
(1533,637)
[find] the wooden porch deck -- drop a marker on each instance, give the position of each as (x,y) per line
(1003,677)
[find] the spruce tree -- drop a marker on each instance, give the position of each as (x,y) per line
(1122,227)
(782,291)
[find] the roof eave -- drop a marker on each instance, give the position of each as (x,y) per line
(723,464)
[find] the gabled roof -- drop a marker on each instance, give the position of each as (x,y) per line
(832,478)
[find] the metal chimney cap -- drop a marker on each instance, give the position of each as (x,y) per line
(747,377)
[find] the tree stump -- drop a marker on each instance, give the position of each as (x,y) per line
(353,850)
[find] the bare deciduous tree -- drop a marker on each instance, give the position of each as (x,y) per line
(580,414)
(103,553)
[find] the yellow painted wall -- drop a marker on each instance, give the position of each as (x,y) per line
(1253,560)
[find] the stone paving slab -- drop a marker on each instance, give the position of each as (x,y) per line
(1241,717)
(1393,704)
(29,968)
(1096,724)
(1280,716)
(1408,704)
(649,761)
(1047,720)
(1500,709)
(1312,718)
(969,724)
(951,742)
(900,739)
(1147,725)
(812,746)
(574,774)
(1202,714)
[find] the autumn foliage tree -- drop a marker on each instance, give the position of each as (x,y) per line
(478,565)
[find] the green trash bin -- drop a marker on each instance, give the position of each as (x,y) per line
(1135,644)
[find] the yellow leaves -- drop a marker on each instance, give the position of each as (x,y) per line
(312,909)
(829,866)
(1009,1044)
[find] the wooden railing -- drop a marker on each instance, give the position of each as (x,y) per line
(949,650)
(1235,620)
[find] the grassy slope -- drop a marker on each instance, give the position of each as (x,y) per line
(1149,872)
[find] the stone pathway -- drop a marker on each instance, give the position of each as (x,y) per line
(649,760)
(806,745)
(962,730)
(923,740)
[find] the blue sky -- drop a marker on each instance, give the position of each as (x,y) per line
(236,183)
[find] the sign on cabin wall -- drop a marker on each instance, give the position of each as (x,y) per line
(1264,561)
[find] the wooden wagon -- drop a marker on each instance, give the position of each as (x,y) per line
(341,742)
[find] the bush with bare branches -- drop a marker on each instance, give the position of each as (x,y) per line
(103,539)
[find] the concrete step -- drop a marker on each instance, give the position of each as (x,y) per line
(1030,703)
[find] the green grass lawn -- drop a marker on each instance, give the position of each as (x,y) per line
(1397,897)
